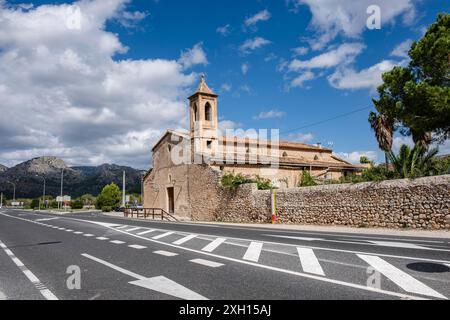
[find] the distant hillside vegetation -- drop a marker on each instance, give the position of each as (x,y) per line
(77,180)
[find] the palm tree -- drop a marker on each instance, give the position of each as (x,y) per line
(412,163)
(384,132)
(422,138)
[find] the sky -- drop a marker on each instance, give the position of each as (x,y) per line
(99,81)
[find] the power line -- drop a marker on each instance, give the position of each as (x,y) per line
(327,120)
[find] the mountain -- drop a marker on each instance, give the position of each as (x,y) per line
(29,178)
(3,168)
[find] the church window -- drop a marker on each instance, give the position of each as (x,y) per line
(316,157)
(209,144)
(195,112)
(208,112)
(285,154)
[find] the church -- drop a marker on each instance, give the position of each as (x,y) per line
(187,166)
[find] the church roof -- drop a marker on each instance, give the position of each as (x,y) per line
(203,88)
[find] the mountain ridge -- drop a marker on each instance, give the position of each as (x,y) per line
(29,175)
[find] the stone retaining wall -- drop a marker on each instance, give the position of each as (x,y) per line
(422,203)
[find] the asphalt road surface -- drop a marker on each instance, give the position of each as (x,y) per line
(90,256)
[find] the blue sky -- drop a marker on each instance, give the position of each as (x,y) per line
(281,64)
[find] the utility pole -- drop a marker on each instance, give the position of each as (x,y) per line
(123,190)
(62,184)
(1,199)
(14,194)
(43,194)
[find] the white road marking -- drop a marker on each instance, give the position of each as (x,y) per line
(146,232)
(62,229)
(400,278)
(397,244)
(69,230)
(117,242)
(185,239)
(102,238)
(213,245)
(122,227)
(47,294)
(133,229)
(295,238)
(253,251)
(309,261)
(165,253)
(207,263)
(163,235)
(136,246)
(88,235)
(159,284)
(78,232)
(46,219)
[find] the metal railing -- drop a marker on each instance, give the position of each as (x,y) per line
(154,213)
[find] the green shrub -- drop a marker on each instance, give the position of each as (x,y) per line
(307,180)
(106,209)
(232,180)
(77,204)
(34,204)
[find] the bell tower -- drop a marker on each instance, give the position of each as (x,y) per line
(203,119)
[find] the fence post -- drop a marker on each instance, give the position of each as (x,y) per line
(274,206)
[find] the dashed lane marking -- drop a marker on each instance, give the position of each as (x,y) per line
(78,232)
(207,263)
(136,246)
(45,292)
(165,253)
(88,235)
(117,242)
(102,238)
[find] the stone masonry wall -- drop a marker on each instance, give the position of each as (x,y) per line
(422,203)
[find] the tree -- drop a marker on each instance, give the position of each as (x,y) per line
(77,204)
(416,98)
(307,180)
(413,163)
(109,197)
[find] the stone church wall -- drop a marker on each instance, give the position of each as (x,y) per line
(421,204)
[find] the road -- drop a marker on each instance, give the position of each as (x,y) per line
(90,256)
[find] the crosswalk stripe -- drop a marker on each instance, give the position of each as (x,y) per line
(145,232)
(213,245)
(253,251)
(163,235)
(133,229)
(185,239)
(400,278)
(309,261)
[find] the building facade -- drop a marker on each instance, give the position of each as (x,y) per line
(187,166)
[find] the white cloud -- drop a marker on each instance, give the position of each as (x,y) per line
(194,56)
(402,49)
(344,54)
(253,44)
(300,51)
(355,156)
(301,137)
(301,79)
(331,18)
(271,114)
(63,94)
(263,15)
(224,31)
(244,68)
(226,87)
(370,78)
